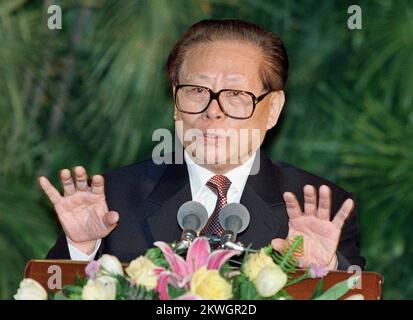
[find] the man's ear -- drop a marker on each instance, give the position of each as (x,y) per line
(276,105)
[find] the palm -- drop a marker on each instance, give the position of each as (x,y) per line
(82,211)
(81,216)
(320,235)
(320,239)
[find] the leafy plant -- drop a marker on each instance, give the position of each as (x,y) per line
(287,258)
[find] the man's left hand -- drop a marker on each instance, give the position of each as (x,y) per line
(321,236)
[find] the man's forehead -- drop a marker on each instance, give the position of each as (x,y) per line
(229,77)
(213,74)
(231,59)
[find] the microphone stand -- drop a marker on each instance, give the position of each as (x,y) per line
(228,241)
(187,237)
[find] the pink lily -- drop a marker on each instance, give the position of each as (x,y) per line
(198,255)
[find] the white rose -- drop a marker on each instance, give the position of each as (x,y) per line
(111,264)
(103,288)
(30,289)
(141,271)
(270,280)
(256,262)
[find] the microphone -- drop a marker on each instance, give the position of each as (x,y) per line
(234,218)
(192,217)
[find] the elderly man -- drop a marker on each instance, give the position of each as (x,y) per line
(226,76)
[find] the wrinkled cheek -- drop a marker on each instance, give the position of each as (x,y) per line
(186,131)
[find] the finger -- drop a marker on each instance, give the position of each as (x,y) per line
(343,213)
(98,184)
(81,178)
(292,205)
(310,200)
(67,182)
(324,203)
(111,219)
(278,244)
(50,191)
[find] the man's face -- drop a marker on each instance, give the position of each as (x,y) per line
(225,65)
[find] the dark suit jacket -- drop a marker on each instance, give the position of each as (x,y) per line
(147,197)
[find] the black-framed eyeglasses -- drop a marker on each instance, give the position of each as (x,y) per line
(237,104)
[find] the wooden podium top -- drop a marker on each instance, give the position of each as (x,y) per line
(371,282)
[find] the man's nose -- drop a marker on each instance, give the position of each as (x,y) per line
(214,111)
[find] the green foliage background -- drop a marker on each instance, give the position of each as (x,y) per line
(93,92)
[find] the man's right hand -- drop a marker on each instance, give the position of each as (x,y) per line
(82,210)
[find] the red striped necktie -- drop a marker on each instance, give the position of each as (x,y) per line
(219,184)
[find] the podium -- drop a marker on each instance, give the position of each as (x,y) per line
(43,270)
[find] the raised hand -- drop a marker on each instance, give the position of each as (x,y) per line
(82,210)
(321,236)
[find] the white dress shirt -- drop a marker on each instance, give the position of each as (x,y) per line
(78,255)
(198,177)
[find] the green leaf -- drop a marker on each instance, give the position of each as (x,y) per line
(138,293)
(225,269)
(282,294)
(318,291)
(244,289)
(339,289)
(126,291)
(304,276)
(60,296)
(156,256)
(268,250)
(80,282)
(72,289)
(286,259)
(176,292)
(248,291)
(72,292)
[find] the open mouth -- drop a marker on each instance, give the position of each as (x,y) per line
(210,137)
(213,136)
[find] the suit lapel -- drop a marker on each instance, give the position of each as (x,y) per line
(169,194)
(263,199)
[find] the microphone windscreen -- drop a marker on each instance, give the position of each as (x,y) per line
(234,217)
(192,215)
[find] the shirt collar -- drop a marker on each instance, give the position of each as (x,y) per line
(199,176)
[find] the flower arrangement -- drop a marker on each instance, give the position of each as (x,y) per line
(202,274)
